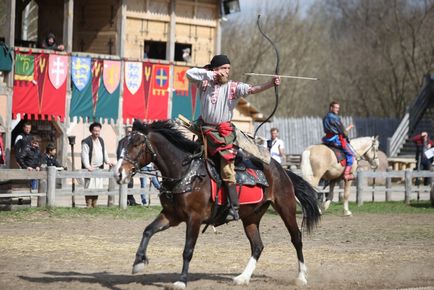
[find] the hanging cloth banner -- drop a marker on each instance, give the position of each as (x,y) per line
(158,99)
(134,92)
(147,75)
(24,67)
(107,99)
(41,97)
(81,101)
(184,99)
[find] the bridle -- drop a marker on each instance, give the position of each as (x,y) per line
(362,156)
(146,146)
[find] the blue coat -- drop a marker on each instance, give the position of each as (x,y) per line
(332,124)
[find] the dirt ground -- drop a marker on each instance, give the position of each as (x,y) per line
(365,251)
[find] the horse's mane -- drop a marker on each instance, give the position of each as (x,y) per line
(170,131)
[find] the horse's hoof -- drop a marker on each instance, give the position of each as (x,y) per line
(241,280)
(326,205)
(138,268)
(179,285)
(300,281)
(347,213)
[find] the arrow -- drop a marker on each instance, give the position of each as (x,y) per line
(283,76)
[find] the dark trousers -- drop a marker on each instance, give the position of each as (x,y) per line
(425,164)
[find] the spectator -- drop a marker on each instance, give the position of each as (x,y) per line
(423,143)
(154,181)
(119,154)
(93,156)
(23,139)
(50,156)
(31,159)
(276,146)
(50,43)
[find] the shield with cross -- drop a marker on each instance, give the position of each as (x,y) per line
(57,69)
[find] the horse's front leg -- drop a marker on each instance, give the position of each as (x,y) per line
(193,229)
(161,223)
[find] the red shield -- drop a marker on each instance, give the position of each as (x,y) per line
(111,75)
(58,69)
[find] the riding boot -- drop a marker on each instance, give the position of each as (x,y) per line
(347,173)
(233,198)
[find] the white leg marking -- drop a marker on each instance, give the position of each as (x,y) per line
(244,278)
(179,285)
(302,273)
(326,204)
(347,212)
(138,268)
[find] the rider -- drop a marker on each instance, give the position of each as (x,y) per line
(218,98)
(337,136)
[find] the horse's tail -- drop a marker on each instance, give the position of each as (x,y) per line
(307,196)
(306,167)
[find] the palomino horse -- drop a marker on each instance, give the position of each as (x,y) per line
(172,153)
(319,162)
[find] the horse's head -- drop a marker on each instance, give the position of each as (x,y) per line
(137,154)
(371,154)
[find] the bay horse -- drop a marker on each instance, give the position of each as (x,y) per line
(320,162)
(172,153)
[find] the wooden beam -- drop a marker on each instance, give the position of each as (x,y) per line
(170,50)
(122,28)
(68,20)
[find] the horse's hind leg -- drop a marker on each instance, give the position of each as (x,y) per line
(159,224)
(287,211)
(251,228)
(329,195)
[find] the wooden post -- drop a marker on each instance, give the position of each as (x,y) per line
(68,18)
(123,192)
(42,200)
(388,184)
(432,194)
(170,47)
(51,186)
(111,198)
(362,183)
(407,178)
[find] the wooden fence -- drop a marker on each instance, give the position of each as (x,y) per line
(47,186)
(407,187)
(48,192)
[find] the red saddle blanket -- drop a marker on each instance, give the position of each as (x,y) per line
(249,194)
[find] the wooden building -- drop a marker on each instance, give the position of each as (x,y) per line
(176,32)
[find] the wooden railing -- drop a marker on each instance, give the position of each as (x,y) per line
(411,118)
(47,187)
(407,175)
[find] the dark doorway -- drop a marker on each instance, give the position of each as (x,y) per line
(155,50)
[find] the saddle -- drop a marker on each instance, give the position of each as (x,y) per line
(339,152)
(250,179)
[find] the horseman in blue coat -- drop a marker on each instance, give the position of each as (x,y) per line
(337,136)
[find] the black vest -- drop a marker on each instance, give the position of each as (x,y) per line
(89,143)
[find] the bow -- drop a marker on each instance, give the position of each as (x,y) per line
(276,71)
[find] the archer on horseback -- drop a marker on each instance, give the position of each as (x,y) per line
(337,136)
(218,98)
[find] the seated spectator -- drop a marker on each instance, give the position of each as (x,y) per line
(50,156)
(50,43)
(30,158)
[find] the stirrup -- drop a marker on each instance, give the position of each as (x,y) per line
(233,215)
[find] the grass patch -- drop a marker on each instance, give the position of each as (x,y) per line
(133,212)
(392,207)
(137,212)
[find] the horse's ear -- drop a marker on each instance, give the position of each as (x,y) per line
(137,125)
(377,137)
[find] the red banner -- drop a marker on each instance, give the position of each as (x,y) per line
(40,98)
(158,100)
(134,92)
